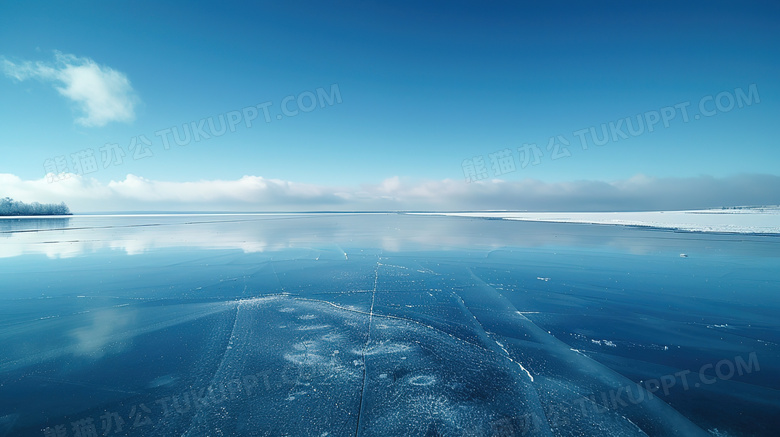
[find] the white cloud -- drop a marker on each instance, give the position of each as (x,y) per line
(255,193)
(101,93)
(248,189)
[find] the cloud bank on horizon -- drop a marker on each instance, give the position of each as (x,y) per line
(102,94)
(256,193)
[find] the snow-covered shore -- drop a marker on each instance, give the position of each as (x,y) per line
(744,220)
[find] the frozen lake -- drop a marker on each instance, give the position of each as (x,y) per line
(384,324)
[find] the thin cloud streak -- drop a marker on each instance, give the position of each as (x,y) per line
(256,193)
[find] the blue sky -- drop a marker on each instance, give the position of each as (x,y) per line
(421,89)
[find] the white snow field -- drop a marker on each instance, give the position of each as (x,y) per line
(763,220)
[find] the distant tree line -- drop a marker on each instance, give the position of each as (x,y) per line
(10,207)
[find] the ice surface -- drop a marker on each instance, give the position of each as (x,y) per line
(260,325)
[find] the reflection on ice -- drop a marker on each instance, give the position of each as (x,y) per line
(80,235)
(96,339)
